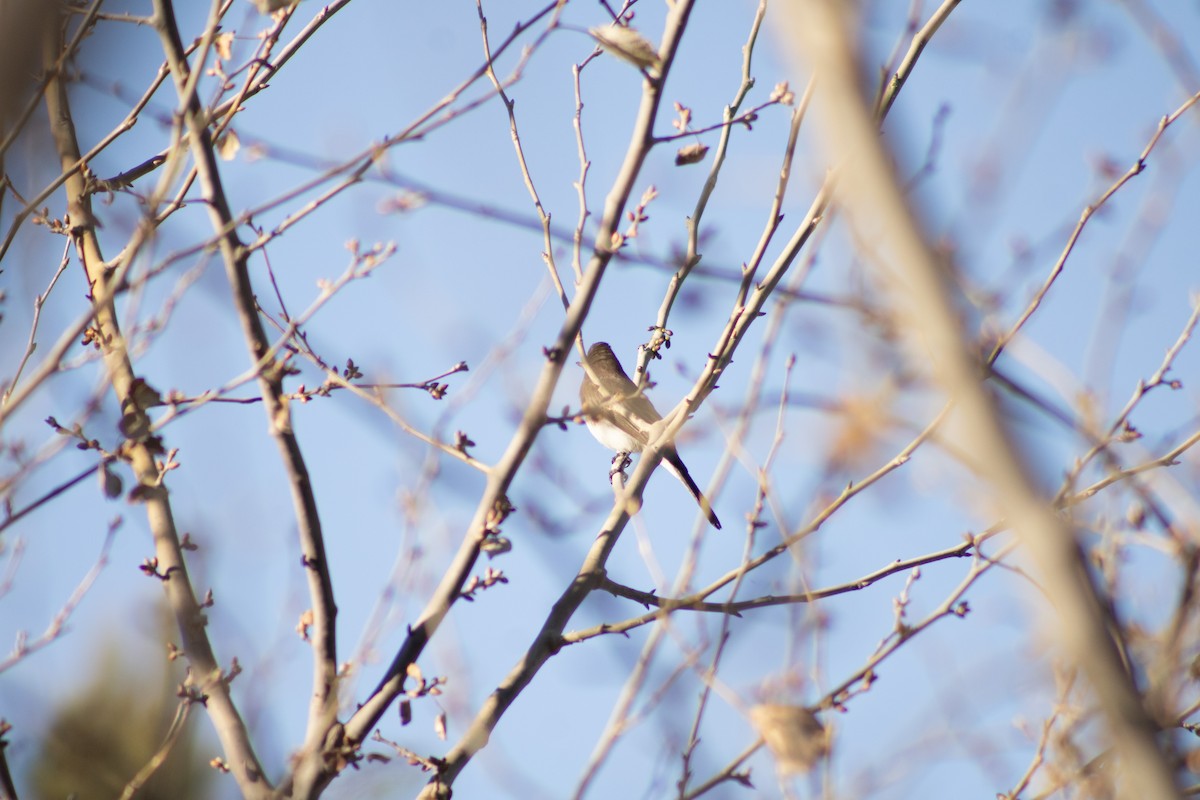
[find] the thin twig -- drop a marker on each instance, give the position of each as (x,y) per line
(164,750)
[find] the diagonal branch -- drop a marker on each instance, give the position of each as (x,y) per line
(531,424)
(206,675)
(323,704)
(923,299)
(591,573)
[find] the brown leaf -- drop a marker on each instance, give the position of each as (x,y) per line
(692,154)
(860,428)
(110,483)
(496,545)
(793,734)
(224,45)
(684,119)
(134,426)
(306,621)
(628,45)
(145,395)
(228,145)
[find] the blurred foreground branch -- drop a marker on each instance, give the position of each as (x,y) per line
(930,319)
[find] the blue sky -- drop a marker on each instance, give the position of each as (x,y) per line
(1035,109)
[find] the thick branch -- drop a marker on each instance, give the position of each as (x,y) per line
(323,705)
(532,423)
(923,300)
(205,673)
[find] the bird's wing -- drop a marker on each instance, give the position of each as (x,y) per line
(618,410)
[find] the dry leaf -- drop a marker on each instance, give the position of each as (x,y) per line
(110,483)
(684,119)
(496,546)
(628,45)
(228,145)
(860,428)
(439,726)
(224,45)
(135,426)
(144,395)
(692,154)
(305,623)
(793,734)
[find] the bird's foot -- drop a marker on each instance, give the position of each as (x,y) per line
(620,462)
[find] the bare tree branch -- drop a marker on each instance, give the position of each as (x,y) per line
(323,704)
(169,564)
(869,189)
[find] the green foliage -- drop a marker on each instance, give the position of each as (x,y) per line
(105,735)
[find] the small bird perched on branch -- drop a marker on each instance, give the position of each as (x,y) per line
(620,417)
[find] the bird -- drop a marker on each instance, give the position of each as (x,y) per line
(620,417)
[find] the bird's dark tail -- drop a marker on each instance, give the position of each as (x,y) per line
(674,464)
